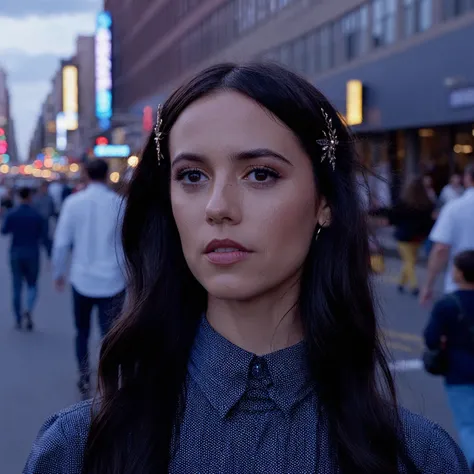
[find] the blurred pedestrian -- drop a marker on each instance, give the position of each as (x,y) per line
(28,230)
(412,218)
(430,191)
(59,190)
(250,341)
(7,202)
(90,223)
(44,204)
(429,188)
(452,233)
(452,190)
(451,330)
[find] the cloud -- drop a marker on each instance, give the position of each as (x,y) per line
(22,8)
(23,67)
(38,35)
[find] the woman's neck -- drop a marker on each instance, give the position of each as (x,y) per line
(262,325)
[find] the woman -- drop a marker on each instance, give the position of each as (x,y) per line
(413,220)
(250,340)
(452,325)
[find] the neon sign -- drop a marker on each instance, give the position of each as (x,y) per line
(111,151)
(70,96)
(103,69)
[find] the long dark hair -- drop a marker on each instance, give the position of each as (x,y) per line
(415,195)
(143,367)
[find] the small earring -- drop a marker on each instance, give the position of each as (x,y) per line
(317,233)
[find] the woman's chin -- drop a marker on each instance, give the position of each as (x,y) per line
(230,288)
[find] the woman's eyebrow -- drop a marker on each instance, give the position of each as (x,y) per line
(260,153)
(240,156)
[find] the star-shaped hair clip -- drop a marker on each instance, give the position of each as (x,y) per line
(158,133)
(330,142)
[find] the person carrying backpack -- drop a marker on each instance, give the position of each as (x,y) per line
(449,337)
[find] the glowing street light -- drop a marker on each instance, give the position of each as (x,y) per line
(133,161)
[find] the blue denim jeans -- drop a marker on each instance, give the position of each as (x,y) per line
(461,401)
(24,268)
(108,311)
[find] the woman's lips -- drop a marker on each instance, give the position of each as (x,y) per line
(225,252)
(227,256)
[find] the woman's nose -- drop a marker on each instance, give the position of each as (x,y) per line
(224,205)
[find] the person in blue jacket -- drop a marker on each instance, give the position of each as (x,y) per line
(452,324)
(29,232)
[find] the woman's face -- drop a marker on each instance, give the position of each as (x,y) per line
(243,196)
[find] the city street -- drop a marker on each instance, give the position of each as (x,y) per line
(38,370)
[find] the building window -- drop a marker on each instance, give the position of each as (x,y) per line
(274,6)
(417,16)
(425,20)
(246,14)
(354,31)
(285,55)
(313,52)
(409,7)
(262,10)
(384,14)
(327,48)
(454,8)
(300,55)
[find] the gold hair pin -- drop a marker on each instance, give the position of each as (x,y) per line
(330,141)
(158,133)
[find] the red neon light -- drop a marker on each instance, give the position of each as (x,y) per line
(147,119)
(2,131)
(102,141)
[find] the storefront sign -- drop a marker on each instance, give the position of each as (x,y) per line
(103,69)
(354,102)
(71,96)
(462,97)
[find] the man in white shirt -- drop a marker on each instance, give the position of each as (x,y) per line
(451,191)
(452,234)
(90,223)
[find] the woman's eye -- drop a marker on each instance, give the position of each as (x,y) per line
(262,175)
(191,176)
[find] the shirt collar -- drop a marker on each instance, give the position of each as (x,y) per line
(469,192)
(221,370)
(96,185)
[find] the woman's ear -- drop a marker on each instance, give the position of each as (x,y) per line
(324,213)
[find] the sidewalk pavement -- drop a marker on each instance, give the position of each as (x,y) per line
(38,369)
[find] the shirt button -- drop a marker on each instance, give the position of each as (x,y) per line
(257,370)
